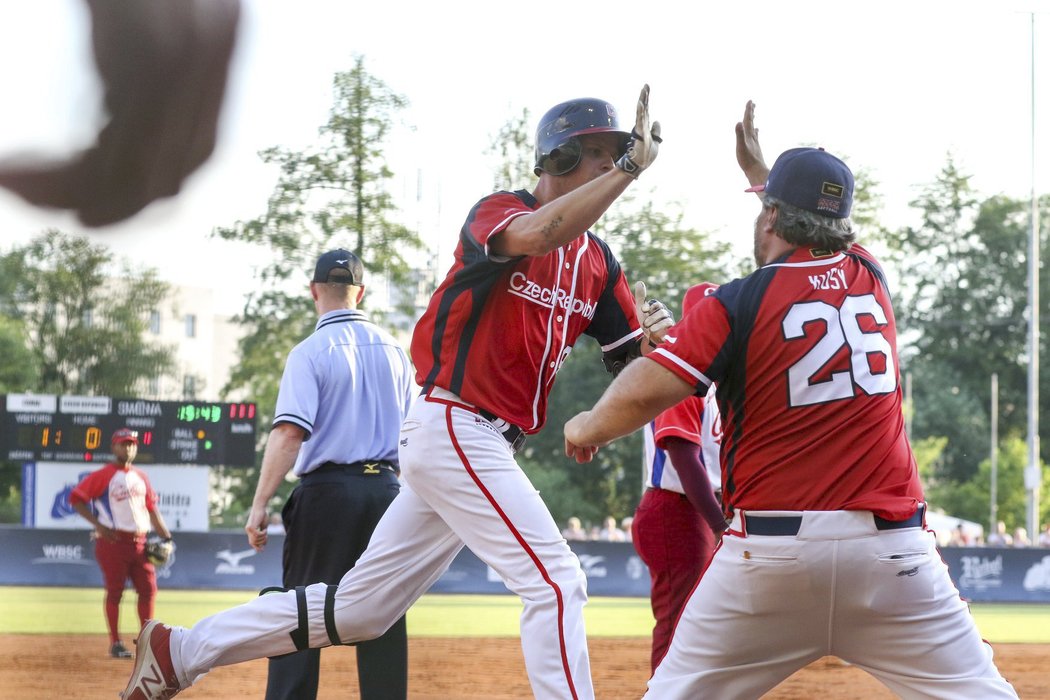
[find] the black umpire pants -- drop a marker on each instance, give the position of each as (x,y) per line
(328,521)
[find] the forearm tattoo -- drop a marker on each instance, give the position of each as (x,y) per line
(551,228)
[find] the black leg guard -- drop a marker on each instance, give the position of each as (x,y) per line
(301,635)
(329,615)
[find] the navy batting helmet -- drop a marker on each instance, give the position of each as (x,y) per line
(557,144)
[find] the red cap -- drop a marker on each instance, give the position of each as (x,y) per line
(695,294)
(124,435)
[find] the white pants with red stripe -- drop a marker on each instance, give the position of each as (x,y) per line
(462,487)
(880,599)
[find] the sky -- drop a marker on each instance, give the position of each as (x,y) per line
(892,87)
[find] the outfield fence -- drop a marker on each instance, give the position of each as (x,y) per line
(223,560)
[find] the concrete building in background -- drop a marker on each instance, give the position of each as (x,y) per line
(204,342)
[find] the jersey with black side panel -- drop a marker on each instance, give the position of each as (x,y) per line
(804,354)
(498,329)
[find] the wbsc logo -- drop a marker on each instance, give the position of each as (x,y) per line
(62,554)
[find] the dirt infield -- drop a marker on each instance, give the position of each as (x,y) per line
(36,667)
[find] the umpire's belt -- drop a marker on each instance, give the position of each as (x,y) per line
(365,467)
(769,525)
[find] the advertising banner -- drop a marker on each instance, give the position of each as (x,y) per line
(182,490)
(991,574)
(223,560)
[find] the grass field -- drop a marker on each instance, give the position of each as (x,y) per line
(30,610)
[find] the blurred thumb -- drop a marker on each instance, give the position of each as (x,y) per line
(639,293)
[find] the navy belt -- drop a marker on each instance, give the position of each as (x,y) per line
(514,435)
(772,525)
(368,466)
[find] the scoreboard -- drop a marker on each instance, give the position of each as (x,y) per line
(50,428)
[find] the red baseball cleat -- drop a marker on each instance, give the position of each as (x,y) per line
(153,677)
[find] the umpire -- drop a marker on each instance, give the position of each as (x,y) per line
(343,396)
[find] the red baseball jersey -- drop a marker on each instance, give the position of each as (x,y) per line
(804,354)
(498,329)
(123,498)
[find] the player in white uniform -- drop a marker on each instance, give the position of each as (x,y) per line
(827,553)
(528,280)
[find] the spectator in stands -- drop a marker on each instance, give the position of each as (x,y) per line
(959,537)
(625,525)
(1021,538)
(611,533)
(1000,538)
(574,530)
(1044,536)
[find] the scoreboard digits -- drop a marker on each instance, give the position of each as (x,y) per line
(43,427)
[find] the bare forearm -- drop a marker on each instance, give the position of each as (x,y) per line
(642,391)
(159,526)
(562,220)
(282,449)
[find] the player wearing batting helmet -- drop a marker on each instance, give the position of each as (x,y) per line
(528,279)
(827,552)
(121,505)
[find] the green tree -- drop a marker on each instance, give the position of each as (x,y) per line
(962,306)
(971,499)
(332,194)
(18,371)
(512,148)
(84,316)
(73,321)
(335,193)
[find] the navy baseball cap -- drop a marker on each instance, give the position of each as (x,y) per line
(339,259)
(811,179)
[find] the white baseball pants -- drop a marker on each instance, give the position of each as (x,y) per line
(462,487)
(880,599)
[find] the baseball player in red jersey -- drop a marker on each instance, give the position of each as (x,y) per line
(827,552)
(678,516)
(527,281)
(122,506)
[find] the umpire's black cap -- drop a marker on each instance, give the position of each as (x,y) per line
(339,259)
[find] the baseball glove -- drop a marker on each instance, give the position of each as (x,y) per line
(159,551)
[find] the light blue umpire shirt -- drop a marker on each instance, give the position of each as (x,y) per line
(349,386)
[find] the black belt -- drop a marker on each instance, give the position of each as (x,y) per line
(514,435)
(369,466)
(771,525)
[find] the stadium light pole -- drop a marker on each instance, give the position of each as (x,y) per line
(1033,474)
(995,455)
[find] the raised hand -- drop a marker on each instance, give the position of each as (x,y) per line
(645,140)
(653,315)
(748,150)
